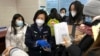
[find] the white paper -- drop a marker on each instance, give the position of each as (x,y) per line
(61,30)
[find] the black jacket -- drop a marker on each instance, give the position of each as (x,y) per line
(33,34)
(84,45)
(64,19)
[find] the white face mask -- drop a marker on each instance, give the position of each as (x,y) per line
(39,22)
(73,13)
(19,23)
(62,14)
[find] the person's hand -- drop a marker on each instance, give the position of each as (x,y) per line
(82,26)
(6,51)
(66,42)
(43,43)
(47,49)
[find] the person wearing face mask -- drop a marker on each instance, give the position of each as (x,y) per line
(76,13)
(38,36)
(53,18)
(15,36)
(76,18)
(94,49)
(63,16)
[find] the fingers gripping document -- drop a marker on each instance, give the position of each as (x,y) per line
(61,31)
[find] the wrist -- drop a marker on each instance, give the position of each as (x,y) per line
(68,44)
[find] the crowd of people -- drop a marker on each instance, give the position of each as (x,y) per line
(38,39)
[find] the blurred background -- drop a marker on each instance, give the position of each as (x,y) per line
(28,7)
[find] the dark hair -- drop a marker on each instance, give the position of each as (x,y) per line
(38,13)
(13,22)
(96,22)
(79,10)
(93,23)
(53,14)
(63,9)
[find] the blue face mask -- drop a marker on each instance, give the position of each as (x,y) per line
(88,19)
(19,23)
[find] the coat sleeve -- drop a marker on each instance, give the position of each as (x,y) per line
(49,35)
(29,39)
(74,50)
(86,42)
(8,37)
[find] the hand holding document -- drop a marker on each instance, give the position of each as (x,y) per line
(61,31)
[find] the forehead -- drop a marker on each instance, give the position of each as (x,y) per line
(41,15)
(19,18)
(72,7)
(63,10)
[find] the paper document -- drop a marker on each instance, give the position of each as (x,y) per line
(61,31)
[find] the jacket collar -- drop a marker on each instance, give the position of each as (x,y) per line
(37,29)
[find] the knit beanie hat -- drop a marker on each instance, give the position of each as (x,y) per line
(17,52)
(92,8)
(96,27)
